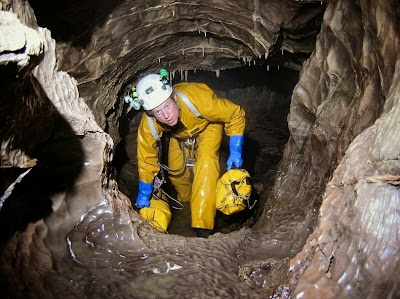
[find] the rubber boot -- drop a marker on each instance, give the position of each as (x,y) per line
(203,233)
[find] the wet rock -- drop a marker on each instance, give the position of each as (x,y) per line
(67,230)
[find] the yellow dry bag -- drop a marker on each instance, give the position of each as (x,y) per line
(158,214)
(233,191)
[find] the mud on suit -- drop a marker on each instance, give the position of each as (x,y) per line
(217,115)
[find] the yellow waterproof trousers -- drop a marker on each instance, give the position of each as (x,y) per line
(198,185)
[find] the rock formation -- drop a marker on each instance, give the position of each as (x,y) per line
(329,228)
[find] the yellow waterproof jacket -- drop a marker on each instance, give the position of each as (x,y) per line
(212,109)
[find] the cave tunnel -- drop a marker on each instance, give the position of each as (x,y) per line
(266,136)
(319,81)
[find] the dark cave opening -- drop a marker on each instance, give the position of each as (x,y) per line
(265,95)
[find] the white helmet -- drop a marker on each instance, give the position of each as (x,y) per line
(152,91)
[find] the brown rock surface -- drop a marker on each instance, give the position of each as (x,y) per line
(67,230)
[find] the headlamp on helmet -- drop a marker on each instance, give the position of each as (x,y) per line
(132,99)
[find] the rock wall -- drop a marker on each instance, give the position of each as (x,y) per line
(344,121)
(67,231)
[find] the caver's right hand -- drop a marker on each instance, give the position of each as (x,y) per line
(235,146)
(144,194)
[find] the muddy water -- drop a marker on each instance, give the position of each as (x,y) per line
(115,259)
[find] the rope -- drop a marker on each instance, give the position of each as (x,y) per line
(169,197)
(237,195)
(165,167)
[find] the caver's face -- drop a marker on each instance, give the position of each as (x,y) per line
(167,113)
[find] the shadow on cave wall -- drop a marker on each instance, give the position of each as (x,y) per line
(65,19)
(33,126)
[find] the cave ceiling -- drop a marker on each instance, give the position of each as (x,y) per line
(110,44)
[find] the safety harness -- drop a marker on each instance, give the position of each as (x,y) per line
(187,102)
(190,143)
(233,188)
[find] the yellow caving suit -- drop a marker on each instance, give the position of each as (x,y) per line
(216,114)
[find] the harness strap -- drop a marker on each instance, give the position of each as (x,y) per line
(163,167)
(152,126)
(188,103)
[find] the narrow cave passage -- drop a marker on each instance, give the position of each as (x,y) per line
(265,95)
(330,224)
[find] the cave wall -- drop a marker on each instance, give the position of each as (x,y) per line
(54,162)
(344,123)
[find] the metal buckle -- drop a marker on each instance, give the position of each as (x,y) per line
(158,182)
(190,162)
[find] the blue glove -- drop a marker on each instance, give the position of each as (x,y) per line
(235,148)
(144,194)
